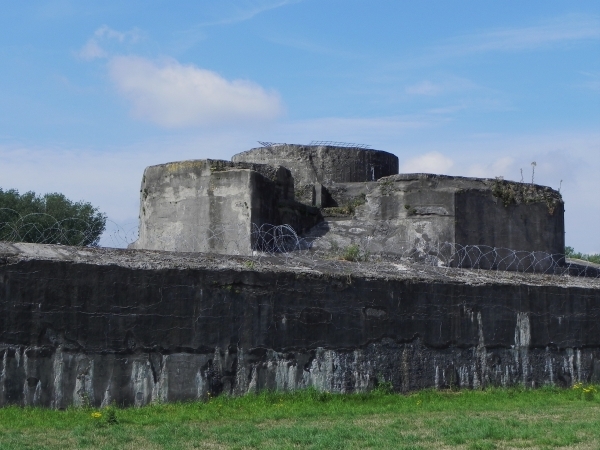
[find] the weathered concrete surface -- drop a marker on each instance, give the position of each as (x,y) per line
(343,194)
(99,325)
(409,212)
(311,164)
(212,206)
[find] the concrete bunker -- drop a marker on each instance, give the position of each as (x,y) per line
(336,197)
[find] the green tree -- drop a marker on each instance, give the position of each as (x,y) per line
(571,253)
(48,219)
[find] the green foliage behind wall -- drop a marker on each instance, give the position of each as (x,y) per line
(49,219)
(571,253)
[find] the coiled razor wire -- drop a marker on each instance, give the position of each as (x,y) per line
(45,229)
(283,241)
(277,239)
(42,228)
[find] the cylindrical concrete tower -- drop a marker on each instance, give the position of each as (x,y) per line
(323,163)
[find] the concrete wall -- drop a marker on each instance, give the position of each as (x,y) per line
(482,217)
(97,325)
(324,164)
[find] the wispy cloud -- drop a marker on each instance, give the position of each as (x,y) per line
(592,81)
(449,95)
(424,88)
(307,45)
(567,29)
(246,10)
(448,110)
(226,13)
(174,95)
(451,84)
(572,27)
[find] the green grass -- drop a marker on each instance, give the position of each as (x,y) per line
(490,419)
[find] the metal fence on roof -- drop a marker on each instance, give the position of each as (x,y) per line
(321,143)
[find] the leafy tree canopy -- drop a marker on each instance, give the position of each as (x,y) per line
(571,253)
(48,219)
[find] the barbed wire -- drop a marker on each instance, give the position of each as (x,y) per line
(282,241)
(267,240)
(45,229)
(118,236)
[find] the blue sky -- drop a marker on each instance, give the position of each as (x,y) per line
(93,92)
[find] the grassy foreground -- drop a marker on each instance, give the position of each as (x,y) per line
(489,419)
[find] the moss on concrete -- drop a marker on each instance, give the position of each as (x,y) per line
(510,192)
(345,210)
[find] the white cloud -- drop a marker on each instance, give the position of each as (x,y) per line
(433,162)
(92,48)
(174,95)
(108,33)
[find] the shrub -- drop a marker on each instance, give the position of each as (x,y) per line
(351,253)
